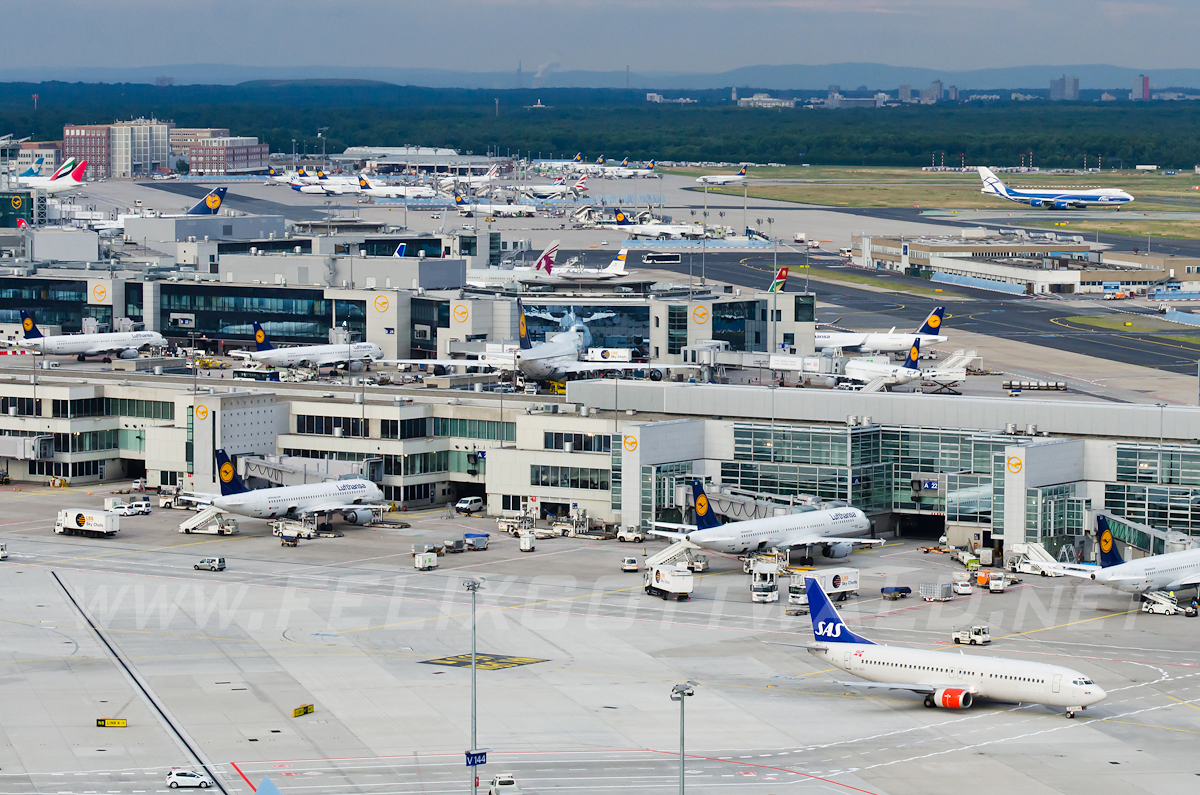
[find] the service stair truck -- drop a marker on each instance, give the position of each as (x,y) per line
(764,582)
(1031,558)
(211,521)
(669,581)
(837,583)
(1163,603)
(87,522)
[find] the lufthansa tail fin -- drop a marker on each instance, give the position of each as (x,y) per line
(31,330)
(210,204)
(228,477)
(1109,556)
(618,262)
(650,166)
(622,219)
(706,518)
(261,342)
(578,158)
(826,623)
(522,327)
(913,360)
(933,323)
(459,200)
(742,173)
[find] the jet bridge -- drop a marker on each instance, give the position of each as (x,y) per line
(1142,537)
(282,470)
(741,504)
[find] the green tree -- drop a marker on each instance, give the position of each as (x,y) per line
(181,166)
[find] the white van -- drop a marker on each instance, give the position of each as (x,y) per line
(469,505)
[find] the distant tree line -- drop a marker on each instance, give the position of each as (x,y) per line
(620,123)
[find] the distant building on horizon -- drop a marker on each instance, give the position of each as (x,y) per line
(1141,88)
(1064,89)
(905,93)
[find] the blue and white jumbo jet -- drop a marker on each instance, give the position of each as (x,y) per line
(1053,198)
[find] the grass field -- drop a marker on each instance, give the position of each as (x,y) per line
(907,187)
(1137,324)
(1189,230)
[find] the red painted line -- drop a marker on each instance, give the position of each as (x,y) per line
(243,775)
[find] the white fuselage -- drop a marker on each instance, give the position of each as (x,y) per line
(318,355)
(300,500)
(662,231)
(869,371)
(890,342)
(1170,571)
(400,192)
(94,344)
(64,184)
(721,179)
(740,538)
(547,359)
(985,677)
(501,210)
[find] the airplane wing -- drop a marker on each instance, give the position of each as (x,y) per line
(440,362)
(331,507)
(812,541)
(1186,581)
(928,690)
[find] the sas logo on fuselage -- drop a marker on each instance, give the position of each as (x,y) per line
(828,629)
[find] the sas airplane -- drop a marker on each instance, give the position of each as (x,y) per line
(889,342)
(1051,198)
(723,179)
(950,681)
(836,531)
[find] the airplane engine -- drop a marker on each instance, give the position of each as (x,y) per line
(831,382)
(304,363)
(356,367)
(360,516)
(952,698)
(129,353)
(839,550)
(1036,203)
(657,375)
(1062,205)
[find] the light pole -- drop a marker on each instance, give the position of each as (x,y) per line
(1161,409)
(195,364)
(772,388)
(473,587)
(679,693)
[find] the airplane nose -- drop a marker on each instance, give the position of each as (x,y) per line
(1097,695)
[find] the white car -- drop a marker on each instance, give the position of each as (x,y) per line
(504,784)
(629,564)
(181,777)
(133,509)
(961,588)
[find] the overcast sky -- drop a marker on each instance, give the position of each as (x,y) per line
(659,35)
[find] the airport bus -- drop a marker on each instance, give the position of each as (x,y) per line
(257,375)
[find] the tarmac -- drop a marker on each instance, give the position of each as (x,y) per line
(207,668)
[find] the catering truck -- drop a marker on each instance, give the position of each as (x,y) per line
(669,581)
(87,522)
(836,583)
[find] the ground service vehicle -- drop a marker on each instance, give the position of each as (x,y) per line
(961,587)
(210,564)
(504,784)
(630,564)
(632,534)
(669,582)
(527,544)
(836,583)
(764,582)
(972,636)
(476,541)
(3,551)
(469,505)
(890,592)
(425,561)
(996,583)
(133,509)
(936,592)
(87,522)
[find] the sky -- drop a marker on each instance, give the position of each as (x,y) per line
(602,35)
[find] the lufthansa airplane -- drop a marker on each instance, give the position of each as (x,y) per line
(1172,571)
(1053,198)
(124,344)
(950,681)
(884,342)
(836,531)
(351,497)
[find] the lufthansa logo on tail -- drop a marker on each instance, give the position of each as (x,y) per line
(27,323)
(259,336)
(521,325)
(912,354)
(1106,541)
(212,202)
(701,505)
(934,321)
(226,472)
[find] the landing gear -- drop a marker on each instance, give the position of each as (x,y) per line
(1071,712)
(80,358)
(806,560)
(106,359)
(929,703)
